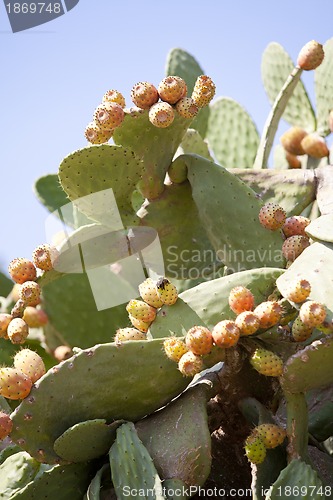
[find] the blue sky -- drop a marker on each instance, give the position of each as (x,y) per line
(54,75)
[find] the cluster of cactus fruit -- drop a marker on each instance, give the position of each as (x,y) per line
(234,340)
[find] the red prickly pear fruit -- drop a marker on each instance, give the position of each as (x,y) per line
(310,56)
(18,308)
(272,216)
(44,256)
(255,449)
(144,95)
(95,135)
(5,319)
(124,334)
(6,425)
(312,313)
(241,299)
(199,340)
(14,384)
(267,363)
(187,108)
(293,160)
(203,91)
(109,115)
(271,435)
(226,333)
(140,310)
(30,363)
(161,114)
(171,89)
(174,348)
(17,331)
(293,246)
(114,96)
(298,291)
(295,225)
(35,318)
(269,313)
(291,140)
(300,331)
(139,324)
(30,293)
(22,270)
(62,352)
(167,292)
(190,364)
(247,322)
(148,293)
(314,145)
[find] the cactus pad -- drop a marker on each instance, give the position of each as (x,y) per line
(16,472)
(193,143)
(324,89)
(321,228)
(299,477)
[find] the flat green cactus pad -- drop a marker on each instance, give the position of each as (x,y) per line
(6,285)
(324,89)
(94,489)
(320,405)
(50,193)
(175,489)
(15,473)
(321,228)
(232,134)
(193,143)
(325,189)
(132,380)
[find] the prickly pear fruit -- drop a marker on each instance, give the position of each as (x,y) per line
(62,352)
(247,322)
(140,310)
(17,331)
(315,145)
(95,135)
(14,384)
(30,363)
(298,291)
(271,435)
(190,364)
(171,89)
(255,449)
(293,160)
(291,140)
(35,318)
(114,96)
(161,115)
(139,324)
(295,225)
(226,333)
(300,331)
(267,363)
(199,340)
(30,293)
(269,313)
(241,299)
(174,348)
(203,91)
(312,313)
(22,270)
(109,115)
(6,425)
(310,56)
(18,309)
(167,292)
(144,95)
(293,246)
(124,334)
(272,216)
(149,294)
(5,319)
(187,108)
(44,256)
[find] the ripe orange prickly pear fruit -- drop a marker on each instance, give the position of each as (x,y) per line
(5,319)
(269,313)
(312,313)
(140,310)
(62,352)
(203,91)
(35,318)
(291,140)
(241,299)
(298,291)
(161,114)
(109,115)
(199,340)
(22,270)
(148,293)
(295,225)
(226,333)
(255,449)
(30,363)
(272,216)
(44,256)
(293,246)
(14,384)
(114,96)
(190,364)
(271,435)
(310,56)
(174,348)
(6,425)
(300,331)
(167,292)
(144,95)
(171,89)
(30,293)
(247,322)
(95,135)
(17,331)
(293,161)
(267,363)
(315,145)
(124,334)
(139,324)
(187,108)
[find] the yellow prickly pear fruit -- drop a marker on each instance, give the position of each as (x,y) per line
(174,348)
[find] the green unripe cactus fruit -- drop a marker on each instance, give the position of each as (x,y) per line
(199,340)
(174,348)
(17,331)
(271,435)
(30,363)
(267,363)
(14,384)
(22,270)
(300,331)
(161,114)
(255,449)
